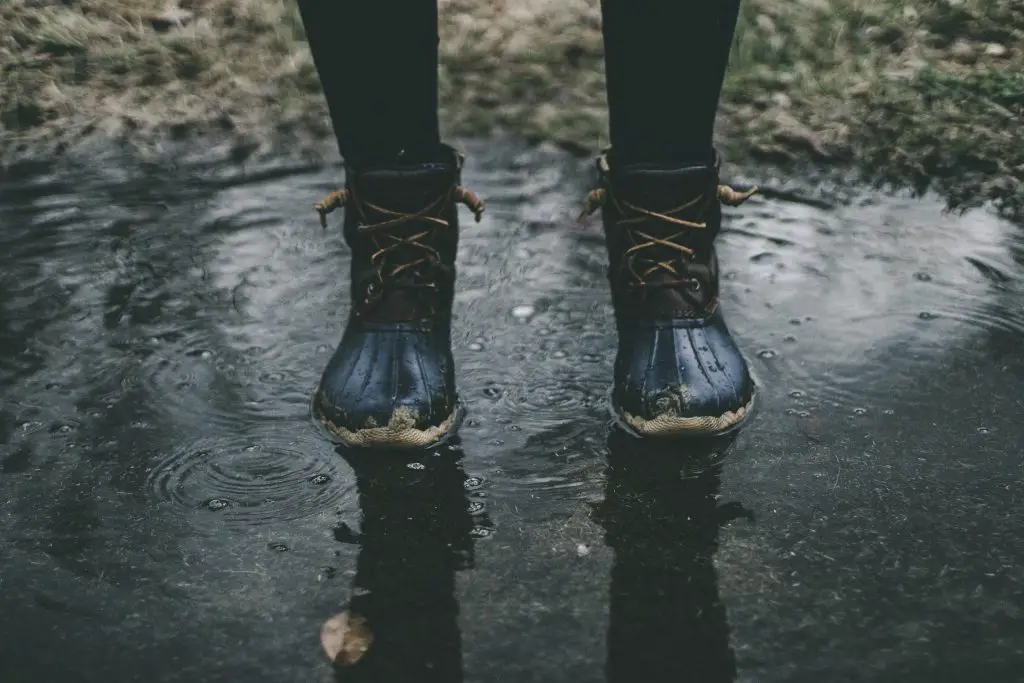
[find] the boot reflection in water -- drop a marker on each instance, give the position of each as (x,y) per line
(667,622)
(391,380)
(417,531)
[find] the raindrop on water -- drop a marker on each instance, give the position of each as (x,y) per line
(523,311)
(860,411)
(558,354)
(476,346)
(590,358)
(217,504)
(796,393)
(277,547)
(794,321)
(766,353)
(319,479)
(416,466)
(923,277)
(889,411)
(481,532)
(472,483)
(926,315)
(475,507)
(492,392)
(789,338)
(984,430)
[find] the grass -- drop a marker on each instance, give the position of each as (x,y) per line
(927,94)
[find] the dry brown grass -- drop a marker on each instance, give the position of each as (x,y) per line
(919,92)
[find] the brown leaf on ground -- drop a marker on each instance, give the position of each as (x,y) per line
(345,638)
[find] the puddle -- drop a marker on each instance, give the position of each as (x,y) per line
(168,509)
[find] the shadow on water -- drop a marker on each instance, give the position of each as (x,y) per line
(667,621)
(419,521)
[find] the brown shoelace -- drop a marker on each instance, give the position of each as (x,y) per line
(388,243)
(634,259)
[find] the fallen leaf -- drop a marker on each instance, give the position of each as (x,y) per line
(345,638)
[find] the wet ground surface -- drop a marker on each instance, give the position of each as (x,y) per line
(168,513)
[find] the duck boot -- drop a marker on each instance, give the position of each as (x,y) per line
(391,382)
(678,372)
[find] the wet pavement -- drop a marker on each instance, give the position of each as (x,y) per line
(168,512)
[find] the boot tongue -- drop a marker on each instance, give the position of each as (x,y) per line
(405,189)
(663,189)
(412,189)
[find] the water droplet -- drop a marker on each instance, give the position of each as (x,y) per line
(323,348)
(791,411)
(984,430)
(481,532)
(492,392)
(926,315)
(416,466)
(796,393)
(217,504)
(472,483)
(558,354)
(889,411)
(766,353)
(65,428)
(476,346)
(515,428)
(250,449)
(590,358)
(860,411)
(803,413)
(319,479)
(277,547)
(523,311)
(923,277)
(475,507)
(205,355)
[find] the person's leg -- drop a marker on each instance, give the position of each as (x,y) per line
(377,63)
(677,370)
(665,63)
(391,380)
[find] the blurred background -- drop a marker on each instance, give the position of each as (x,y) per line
(919,92)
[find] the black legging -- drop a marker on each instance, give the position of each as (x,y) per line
(665,62)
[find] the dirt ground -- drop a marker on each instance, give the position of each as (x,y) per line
(926,94)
